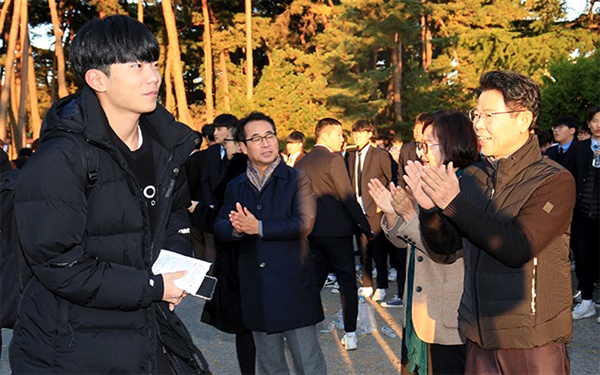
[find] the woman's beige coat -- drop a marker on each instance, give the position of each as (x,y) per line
(437,287)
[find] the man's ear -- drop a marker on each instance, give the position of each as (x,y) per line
(96,80)
(573,131)
(243,147)
(525,121)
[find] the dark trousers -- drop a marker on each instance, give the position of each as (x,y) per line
(545,360)
(338,253)
(586,239)
(373,251)
(398,261)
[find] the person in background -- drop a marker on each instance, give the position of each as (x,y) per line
(214,166)
(586,218)
(193,168)
(93,304)
(224,310)
(564,130)
(397,144)
(270,210)
(295,147)
(545,140)
(509,216)
(432,343)
(363,164)
(338,216)
(583,133)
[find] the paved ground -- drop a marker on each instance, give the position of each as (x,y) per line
(376,353)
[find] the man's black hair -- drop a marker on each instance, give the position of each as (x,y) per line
(323,123)
(519,92)
(225,120)
(111,40)
(365,126)
(569,121)
(240,132)
(296,137)
(208,131)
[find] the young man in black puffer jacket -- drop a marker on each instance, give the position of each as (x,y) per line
(93,304)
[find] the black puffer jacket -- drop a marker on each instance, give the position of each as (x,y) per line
(91,307)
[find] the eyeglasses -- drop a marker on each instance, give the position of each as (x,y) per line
(257,139)
(425,146)
(225,140)
(487,118)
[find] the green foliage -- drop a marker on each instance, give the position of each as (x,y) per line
(570,89)
(313,59)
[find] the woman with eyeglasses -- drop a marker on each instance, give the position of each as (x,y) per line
(431,343)
(224,310)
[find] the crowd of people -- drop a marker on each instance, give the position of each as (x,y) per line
(475,217)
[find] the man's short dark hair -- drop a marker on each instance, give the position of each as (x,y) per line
(240,132)
(225,120)
(296,137)
(422,117)
(569,121)
(323,123)
(208,131)
(365,126)
(111,40)
(519,92)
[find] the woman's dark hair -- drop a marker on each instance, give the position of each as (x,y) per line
(111,40)
(456,137)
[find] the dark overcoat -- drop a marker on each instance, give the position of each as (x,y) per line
(278,285)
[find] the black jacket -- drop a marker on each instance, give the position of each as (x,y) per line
(91,308)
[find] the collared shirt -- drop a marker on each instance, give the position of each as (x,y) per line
(362,154)
(566,146)
(291,159)
(595,144)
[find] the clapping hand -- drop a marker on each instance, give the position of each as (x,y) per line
(243,221)
(402,202)
(381,196)
(413,170)
(440,184)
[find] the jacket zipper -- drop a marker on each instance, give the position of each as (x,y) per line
(478,256)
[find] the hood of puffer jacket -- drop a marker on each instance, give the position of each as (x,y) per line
(82,113)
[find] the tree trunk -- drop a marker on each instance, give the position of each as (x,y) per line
(20,137)
(169,100)
(397,61)
(58,50)
(34,115)
(3,13)
(208,65)
(140,11)
(225,80)
(426,47)
(174,53)
(9,69)
(249,62)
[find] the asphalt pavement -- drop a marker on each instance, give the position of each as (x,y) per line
(376,354)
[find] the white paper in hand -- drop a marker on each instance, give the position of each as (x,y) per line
(169,261)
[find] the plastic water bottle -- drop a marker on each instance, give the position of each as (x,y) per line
(387,331)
